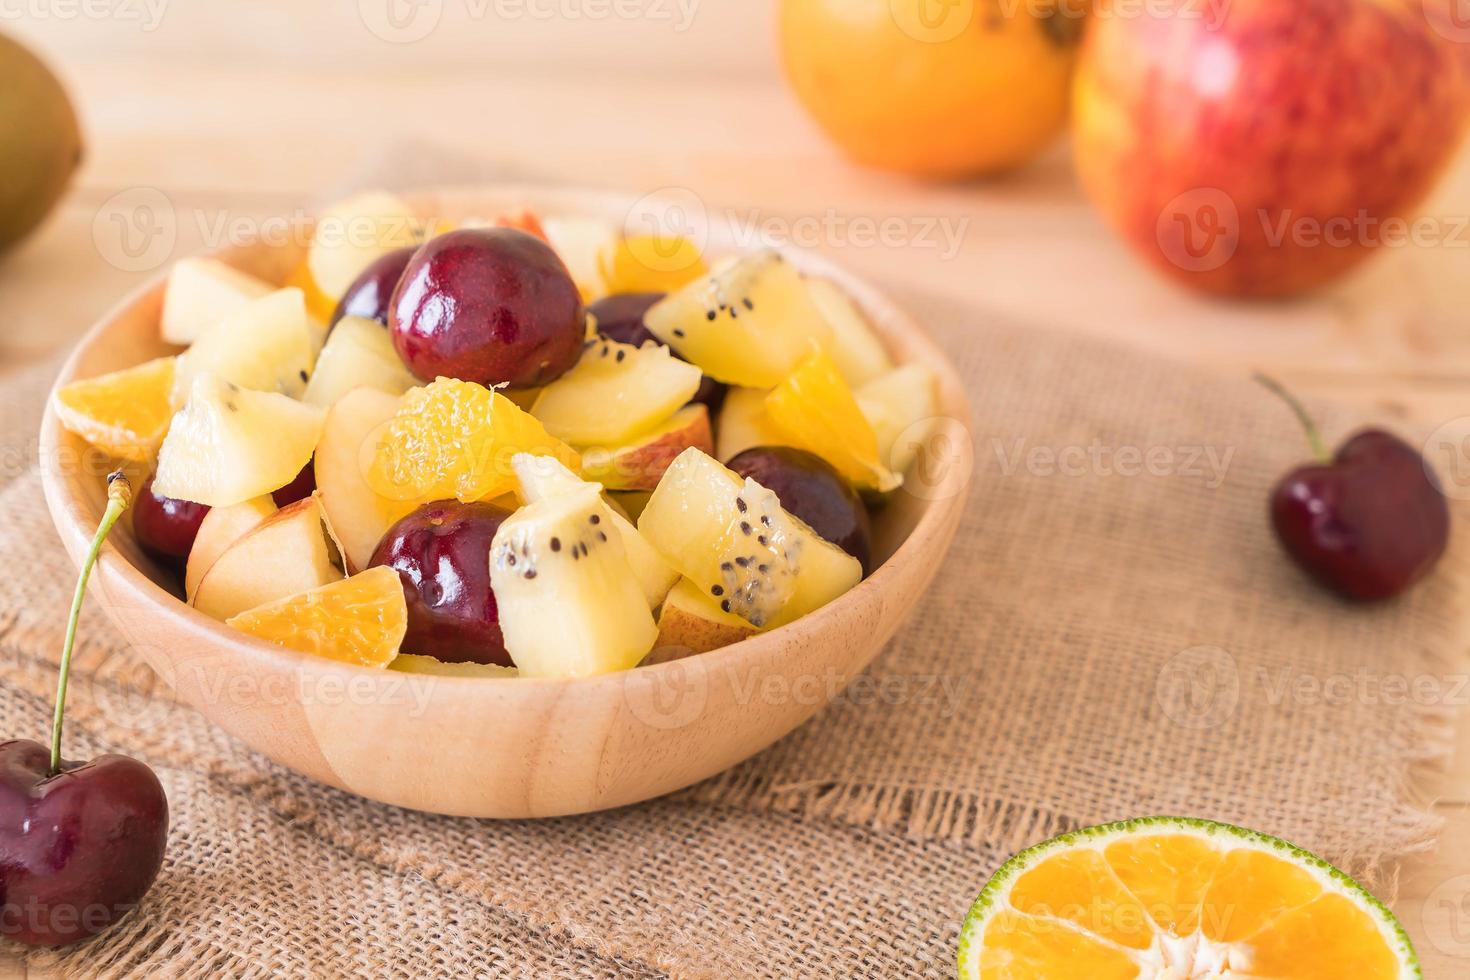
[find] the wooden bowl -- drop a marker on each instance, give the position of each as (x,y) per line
(509,748)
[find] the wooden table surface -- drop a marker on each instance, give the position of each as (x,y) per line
(217,112)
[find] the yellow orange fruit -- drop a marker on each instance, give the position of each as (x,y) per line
(649,264)
(936,89)
(359,620)
(318,304)
(1173,897)
(125,414)
(815,410)
(455,439)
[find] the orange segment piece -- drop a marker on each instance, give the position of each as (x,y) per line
(1022,947)
(816,410)
(318,304)
(1343,939)
(359,620)
(650,264)
(455,439)
(1080,887)
(125,414)
(1168,875)
(1250,889)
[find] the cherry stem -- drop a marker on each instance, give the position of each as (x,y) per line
(1314,437)
(119,495)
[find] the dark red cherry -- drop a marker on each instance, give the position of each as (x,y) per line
(298,489)
(1369,523)
(488,305)
(620,317)
(78,849)
(811,489)
(442,553)
(371,292)
(165,527)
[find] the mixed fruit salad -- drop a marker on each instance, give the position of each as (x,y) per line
(517,446)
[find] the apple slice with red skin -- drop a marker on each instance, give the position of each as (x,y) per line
(641,464)
(291,552)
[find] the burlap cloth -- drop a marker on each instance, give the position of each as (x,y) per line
(1113,634)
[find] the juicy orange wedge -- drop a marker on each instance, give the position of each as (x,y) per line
(125,414)
(1177,898)
(816,410)
(650,264)
(359,620)
(455,439)
(318,304)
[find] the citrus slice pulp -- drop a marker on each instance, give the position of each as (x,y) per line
(359,620)
(1178,899)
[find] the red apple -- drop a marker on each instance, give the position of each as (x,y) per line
(1263,147)
(641,464)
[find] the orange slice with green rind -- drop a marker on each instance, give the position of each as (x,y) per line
(1171,897)
(359,620)
(125,414)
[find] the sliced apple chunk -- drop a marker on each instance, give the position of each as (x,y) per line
(641,464)
(743,424)
(349,442)
(738,545)
(614,393)
(228,444)
(290,552)
(580,243)
(542,476)
(200,293)
(359,353)
(692,622)
(359,620)
(266,345)
(902,407)
(570,605)
(750,324)
(352,234)
(855,348)
(220,529)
